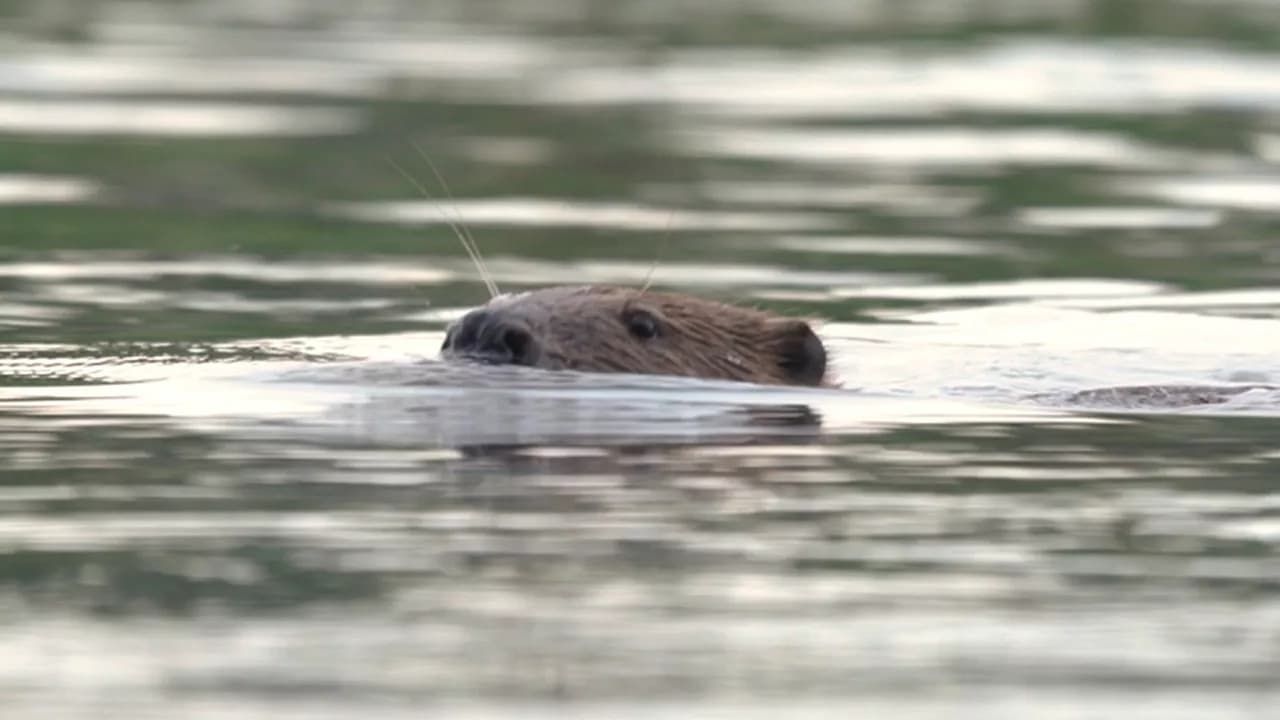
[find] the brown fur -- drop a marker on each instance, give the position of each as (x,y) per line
(606,329)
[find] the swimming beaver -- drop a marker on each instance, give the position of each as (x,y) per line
(615,329)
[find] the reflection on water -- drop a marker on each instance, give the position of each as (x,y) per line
(1016,76)
(1248,193)
(31,189)
(234,482)
(939,146)
(153,119)
(1087,218)
(527,211)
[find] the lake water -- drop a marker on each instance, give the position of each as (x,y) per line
(234,482)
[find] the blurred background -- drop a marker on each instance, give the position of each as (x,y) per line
(981,201)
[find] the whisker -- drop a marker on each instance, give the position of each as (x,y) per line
(463,238)
(657,256)
(475,247)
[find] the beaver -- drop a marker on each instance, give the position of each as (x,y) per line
(596,328)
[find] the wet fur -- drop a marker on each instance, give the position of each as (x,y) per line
(586,328)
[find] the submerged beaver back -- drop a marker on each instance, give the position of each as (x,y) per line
(614,329)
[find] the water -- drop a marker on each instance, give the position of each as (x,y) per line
(234,482)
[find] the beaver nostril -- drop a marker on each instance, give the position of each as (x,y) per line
(517,340)
(493,337)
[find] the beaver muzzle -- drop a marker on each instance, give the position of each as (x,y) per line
(494,337)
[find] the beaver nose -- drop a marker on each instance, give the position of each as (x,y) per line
(491,337)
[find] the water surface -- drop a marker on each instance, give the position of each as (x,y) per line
(234,481)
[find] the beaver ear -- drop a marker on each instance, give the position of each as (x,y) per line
(801,354)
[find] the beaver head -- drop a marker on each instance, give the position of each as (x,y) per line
(615,329)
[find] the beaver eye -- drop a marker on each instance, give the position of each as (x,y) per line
(641,323)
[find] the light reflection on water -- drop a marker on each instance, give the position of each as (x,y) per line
(18,189)
(617,217)
(235,483)
(939,147)
(1260,192)
(152,119)
(1028,76)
